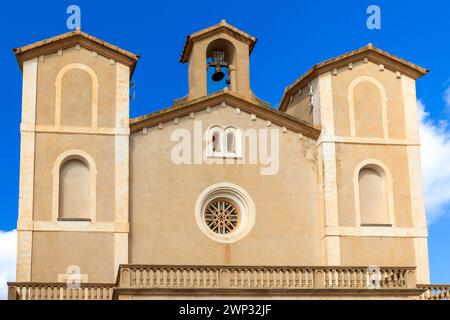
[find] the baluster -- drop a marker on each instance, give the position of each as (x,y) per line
(331,279)
(175,277)
(233,278)
(258,279)
(346,277)
(169,282)
(402,279)
(205,278)
(429,293)
(153,278)
(197,278)
(194,278)
(216,277)
(289,278)
(182,278)
(208,278)
(307,275)
(351,277)
(142,276)
(441,293)
(190,277)
(396,278)
(327,278)
(341,278)
(283,278)
(202,278)
(252,273)
(148,279)
(302,279)
(335,278)
(161,275)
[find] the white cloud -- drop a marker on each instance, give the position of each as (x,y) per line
(8,249)
(447,98)
(435,139)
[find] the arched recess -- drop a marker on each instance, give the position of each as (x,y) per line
(229,50)
(362,178)
(351,103)
(58,89)
(64,158)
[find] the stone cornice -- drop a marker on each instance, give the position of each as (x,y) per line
(370,52)
(70,39)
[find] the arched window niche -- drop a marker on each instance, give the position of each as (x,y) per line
(224,143)
(373,189)
(74,187)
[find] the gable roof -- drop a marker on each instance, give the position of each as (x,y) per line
(69,39)
(232,99)
(222,26)
(369,51)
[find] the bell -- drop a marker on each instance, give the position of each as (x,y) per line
(218,61)
(218,74)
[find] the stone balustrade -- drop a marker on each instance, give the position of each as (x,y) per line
(59,291)
(132,278)
(224,277)
(435,291)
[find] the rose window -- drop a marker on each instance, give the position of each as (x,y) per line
(221,216)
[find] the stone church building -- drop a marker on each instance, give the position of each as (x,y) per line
(220,195)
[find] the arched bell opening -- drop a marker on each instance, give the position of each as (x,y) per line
(220,62)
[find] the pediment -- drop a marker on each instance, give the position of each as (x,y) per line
(225,97)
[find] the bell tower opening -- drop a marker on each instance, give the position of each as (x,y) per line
(220,60)
(218,57)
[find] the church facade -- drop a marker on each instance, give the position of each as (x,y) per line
(219,195)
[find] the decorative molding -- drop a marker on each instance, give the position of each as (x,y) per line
(75,130)
(73,226)
(367,140)
(376,231)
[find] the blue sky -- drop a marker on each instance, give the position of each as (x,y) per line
(292,36)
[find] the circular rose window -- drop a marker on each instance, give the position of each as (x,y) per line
(225,212)
(221,216)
